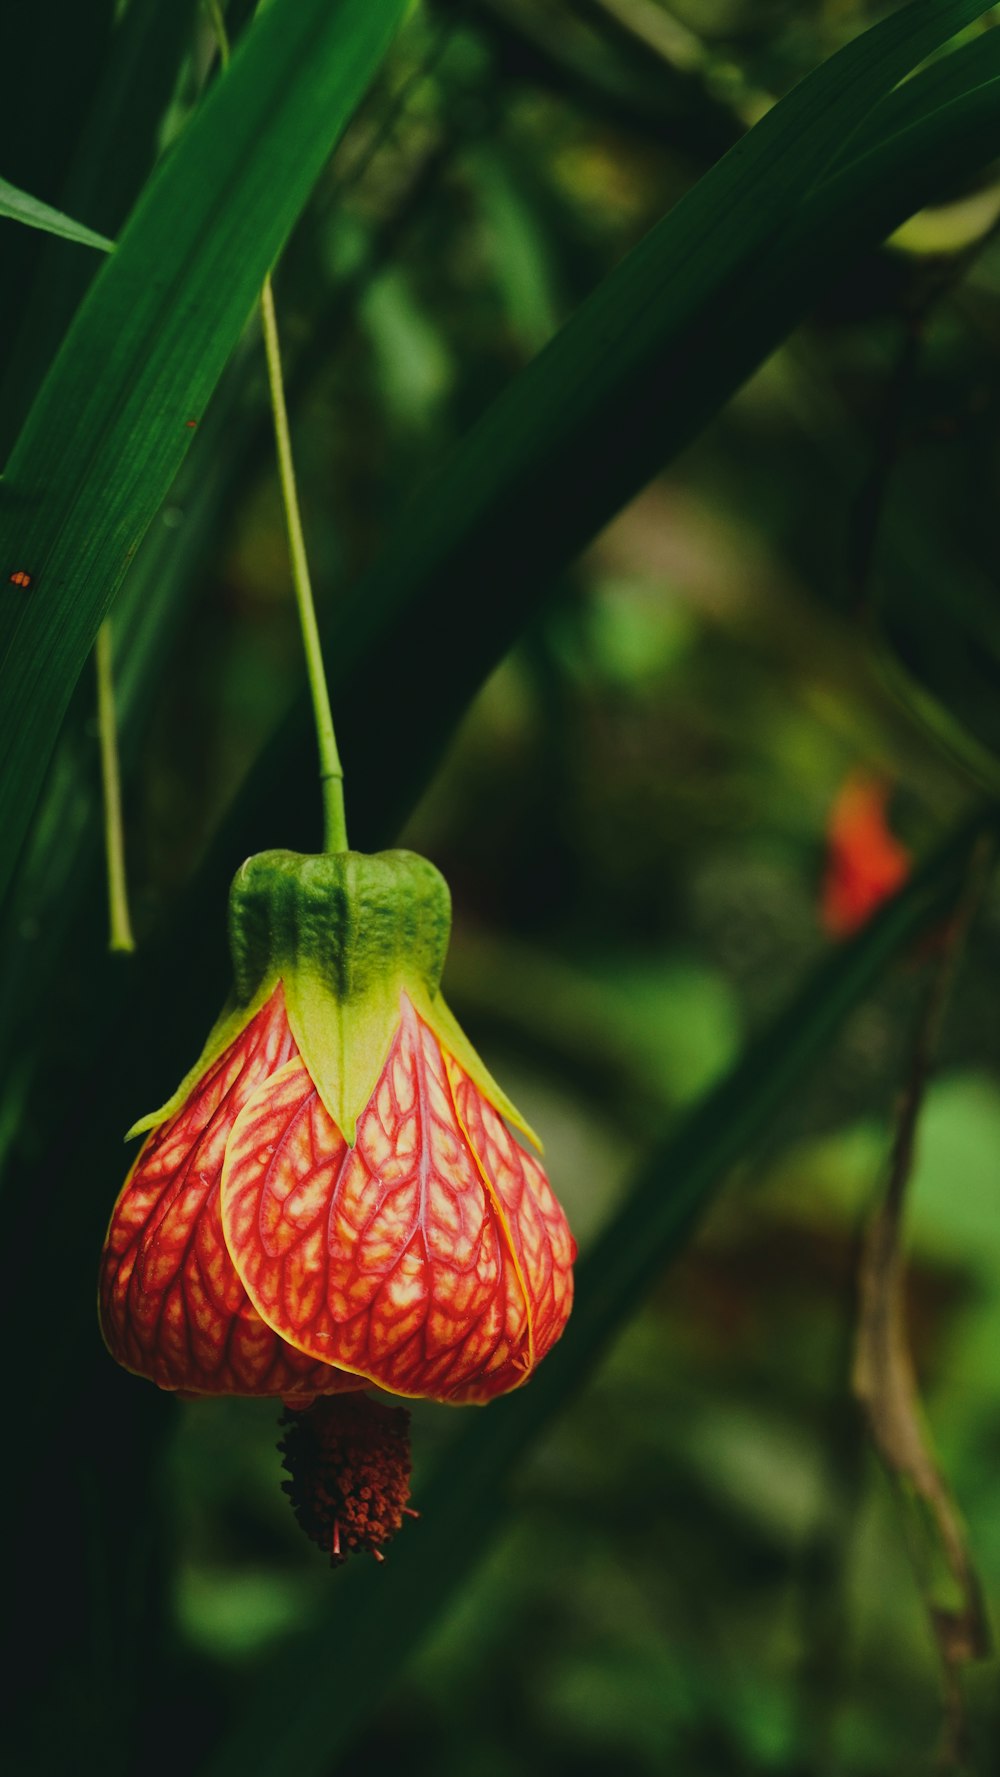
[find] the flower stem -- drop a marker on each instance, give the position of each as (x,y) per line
(330,769)
(331,772)
(120,926)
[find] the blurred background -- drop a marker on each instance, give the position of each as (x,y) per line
(704,1569)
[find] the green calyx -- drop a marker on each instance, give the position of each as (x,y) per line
(345,934)
(353,923)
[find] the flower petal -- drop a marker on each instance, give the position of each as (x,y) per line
(393,1258)
(542,1242)
(172,1307)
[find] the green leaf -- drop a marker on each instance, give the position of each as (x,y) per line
(949,77)
(52,57)
(485,527)
(339,1673)
(111,161)
(489,524)
(21,207)
(644,364)
(113,421)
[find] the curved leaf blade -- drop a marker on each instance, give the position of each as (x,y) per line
(950,77)
(20,206)
(116,149)
(113,421)
(408,615)
(577,434)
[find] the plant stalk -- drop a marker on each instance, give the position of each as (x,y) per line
(119,923)
(331,771)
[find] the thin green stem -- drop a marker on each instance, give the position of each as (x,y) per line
(120,925)
(331,771)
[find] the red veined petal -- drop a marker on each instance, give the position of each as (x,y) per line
(393,1258)
(172,1307)
(540,1234)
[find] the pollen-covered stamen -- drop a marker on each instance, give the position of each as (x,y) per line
(349,1462)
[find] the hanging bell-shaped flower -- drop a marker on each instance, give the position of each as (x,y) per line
(333,1197)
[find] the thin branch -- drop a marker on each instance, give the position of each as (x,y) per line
(884,1378)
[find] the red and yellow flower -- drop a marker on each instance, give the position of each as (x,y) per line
(333,1197)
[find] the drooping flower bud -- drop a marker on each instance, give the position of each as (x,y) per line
(333,1197)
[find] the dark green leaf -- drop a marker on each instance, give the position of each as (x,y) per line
(627,383)
(535,482)
(113,421)
(51,58)
(947,78)
(113,158)
(21,207)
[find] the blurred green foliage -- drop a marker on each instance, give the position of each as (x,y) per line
(705,1571)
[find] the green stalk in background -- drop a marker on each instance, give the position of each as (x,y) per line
(120,925)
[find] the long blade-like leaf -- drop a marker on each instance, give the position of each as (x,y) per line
(20,206)
(948,78)
(112,160)
(407,625)
(114,418)
(338,1675)
(567,444)
(52,57)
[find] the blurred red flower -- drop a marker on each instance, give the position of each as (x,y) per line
(865,862)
